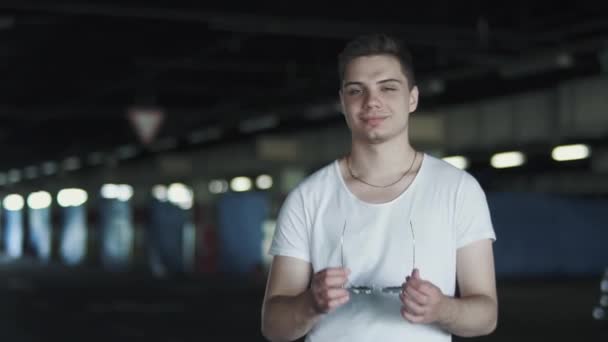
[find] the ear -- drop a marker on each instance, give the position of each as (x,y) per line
(414,99)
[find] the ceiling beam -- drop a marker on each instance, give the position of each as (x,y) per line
(430,35)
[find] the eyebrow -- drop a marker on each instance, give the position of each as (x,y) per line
(379,82)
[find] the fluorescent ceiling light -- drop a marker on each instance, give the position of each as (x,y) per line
(458,161)
(507,159)
(570,152)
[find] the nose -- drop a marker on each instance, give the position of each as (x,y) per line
(372,100)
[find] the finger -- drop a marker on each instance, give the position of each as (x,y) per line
(336,271)
(416,295)
(335,303)
(336,293)
(413,307)
(414,282)
(427,288)
(319,304)
(325,293)
(416,273)
(402,297)
(332,272)
(333,281)
(410,317)
(333,298)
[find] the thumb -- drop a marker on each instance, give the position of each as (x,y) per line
(416,273)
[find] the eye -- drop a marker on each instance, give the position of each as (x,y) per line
(389,89)
(353,91)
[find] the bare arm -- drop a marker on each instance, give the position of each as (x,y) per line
(475,312)
(290,307)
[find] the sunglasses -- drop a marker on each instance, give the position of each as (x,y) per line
(369,289)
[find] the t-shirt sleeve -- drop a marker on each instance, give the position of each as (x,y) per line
(291,233)
(473,219)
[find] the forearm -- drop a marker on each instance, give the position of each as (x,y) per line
(287,318)
(469,316)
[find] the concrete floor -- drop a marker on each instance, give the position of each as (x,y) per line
(60,304)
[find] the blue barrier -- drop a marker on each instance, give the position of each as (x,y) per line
(548,235)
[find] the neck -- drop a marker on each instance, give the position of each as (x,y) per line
(381,161)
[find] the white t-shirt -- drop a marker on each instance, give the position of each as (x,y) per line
(448,210)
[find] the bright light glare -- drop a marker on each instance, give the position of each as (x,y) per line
(13,202)
(39,200)
(570,152)
(239,184)
(218,186)
(263,182)
(159,192)
(109,191)
(125,192)
(121,192)
(507,159)
(457,161)
(180,195)
(72,197)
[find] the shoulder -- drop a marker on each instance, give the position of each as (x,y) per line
(445,174)
(442,169)
(313,186)
(319,179)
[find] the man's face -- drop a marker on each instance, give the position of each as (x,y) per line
(376,99)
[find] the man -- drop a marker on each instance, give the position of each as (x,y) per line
(385,216)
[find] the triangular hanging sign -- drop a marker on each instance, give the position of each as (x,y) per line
(146,122)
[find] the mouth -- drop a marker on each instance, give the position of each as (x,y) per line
(373,121)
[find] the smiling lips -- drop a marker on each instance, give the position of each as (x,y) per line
(374,121)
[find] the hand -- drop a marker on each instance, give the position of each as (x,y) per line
(328,290)
(422,300)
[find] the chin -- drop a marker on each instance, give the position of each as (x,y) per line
(376,138)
